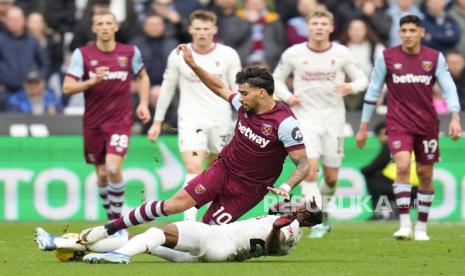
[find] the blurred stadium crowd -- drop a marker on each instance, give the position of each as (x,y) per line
(36,41)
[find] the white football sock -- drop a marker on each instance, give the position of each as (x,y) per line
(310,190)
(109,244)
(191,213)
(145,242)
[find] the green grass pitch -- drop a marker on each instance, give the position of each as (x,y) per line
(355,248)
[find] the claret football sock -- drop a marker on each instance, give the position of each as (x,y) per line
(425,200)
(144,213)
(116,197)
(103,192)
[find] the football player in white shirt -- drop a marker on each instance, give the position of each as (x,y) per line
(190,241)
(320,68)
(204,120)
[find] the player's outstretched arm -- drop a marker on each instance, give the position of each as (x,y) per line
(212,82)
(276,237)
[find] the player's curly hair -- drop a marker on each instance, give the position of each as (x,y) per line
(256,77)
(312,215)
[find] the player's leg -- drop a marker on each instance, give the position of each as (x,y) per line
(313,146)
(94,151)
(193,146)
(102,184)
(401,145)
(201,190)
(117,142)
(426,153)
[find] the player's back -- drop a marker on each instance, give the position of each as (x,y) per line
(410,80)
(256,153)
(108,103)
(250,237)
(198,105)
(316,73)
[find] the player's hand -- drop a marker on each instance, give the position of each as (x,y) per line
(455,130)
(100,74)
(361,138)
(343,89)
(143,113)
(187,54)
(293,100)
(154,131)
(278,191)
(284,220)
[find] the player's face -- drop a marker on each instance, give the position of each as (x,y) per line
(105,27)
(411,35)
(202,32)
(320,28)
(250,96)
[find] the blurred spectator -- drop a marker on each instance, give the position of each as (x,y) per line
(34,99)
(267,41)
(20,52)
(365,45)
(29,6)
(4,6)
(441,31)
(186,7)
(287,9)
(457,12)
(175,25)
(456,62)
(233,31)
(377,183)
(155,47)
(59,15)
(49,40)
(128,22)
(297,27)
(372,11)
(397,9)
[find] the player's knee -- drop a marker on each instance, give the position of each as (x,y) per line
(112,170)
(424,175)
(331,180)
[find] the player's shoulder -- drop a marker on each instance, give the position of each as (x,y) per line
(339,48)
(296,49)
(283,111)
(429,52)
(392,51)
(224,48)
(125,48)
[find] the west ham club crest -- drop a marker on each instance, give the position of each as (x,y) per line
(267,129)
(427,65)
(122,61)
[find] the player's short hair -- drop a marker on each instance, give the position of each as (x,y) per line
(321,12)
(203,15)
(258,77)
(104,13)
(411,19)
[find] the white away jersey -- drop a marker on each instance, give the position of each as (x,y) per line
(198,106)
(315,76)
(250,235)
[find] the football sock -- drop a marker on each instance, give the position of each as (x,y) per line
(145,242)
(425,200)
(402,192)
(191,213)
(68,243)
(310,190)
(116,197)
(142,214)
(327,193)
(174,255)
(103,192)
(109,244)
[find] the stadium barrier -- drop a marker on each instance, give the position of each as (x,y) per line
(47,179)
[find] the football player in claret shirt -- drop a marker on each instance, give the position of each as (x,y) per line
(410,70)
(247,168)
(103,71)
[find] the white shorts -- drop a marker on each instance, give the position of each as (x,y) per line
(211,139)
(209,242)
(325,141)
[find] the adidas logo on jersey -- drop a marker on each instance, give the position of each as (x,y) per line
(117,75)
(411,78)
(247,132)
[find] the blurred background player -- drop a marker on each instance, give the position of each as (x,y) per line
(247,168)
(204,119)
(190,241)
(320,68)
(410,71)
(103,71)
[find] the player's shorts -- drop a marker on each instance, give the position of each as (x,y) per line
(208,242)
(326,141)
(211,139)
(425,147)
(230,198)
(99,142)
